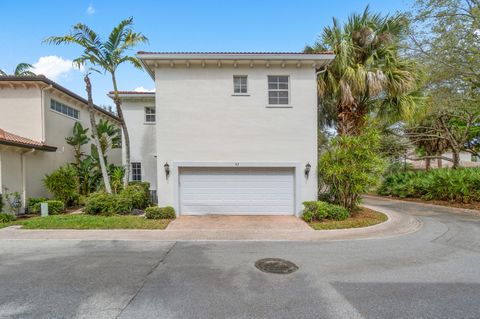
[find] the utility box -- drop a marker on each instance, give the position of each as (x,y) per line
(44,209)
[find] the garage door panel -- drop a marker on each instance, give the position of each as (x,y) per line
(265,191)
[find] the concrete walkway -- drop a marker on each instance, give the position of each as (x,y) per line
(185,229)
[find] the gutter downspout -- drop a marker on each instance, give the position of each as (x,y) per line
(24,176)
(42,107)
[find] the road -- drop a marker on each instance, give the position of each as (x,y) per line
(432,273)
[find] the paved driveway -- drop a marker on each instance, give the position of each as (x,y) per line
(432,273)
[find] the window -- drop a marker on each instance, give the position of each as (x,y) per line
(240,84)
(64,109)
(136,171)
(475,158)
(150,114)
(278,90)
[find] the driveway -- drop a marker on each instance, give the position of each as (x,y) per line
(431,273)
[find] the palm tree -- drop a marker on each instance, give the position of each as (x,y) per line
(368,73)
(79,138)
(108,55)
(22,69)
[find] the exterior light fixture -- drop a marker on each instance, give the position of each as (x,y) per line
(307,169)
(167,169)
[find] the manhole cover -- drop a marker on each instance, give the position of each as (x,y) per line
(276,266)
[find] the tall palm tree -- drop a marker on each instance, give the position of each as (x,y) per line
(108,55)
(368,73)
(22,69)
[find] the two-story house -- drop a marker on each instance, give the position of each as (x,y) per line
(36,115)
(233,133)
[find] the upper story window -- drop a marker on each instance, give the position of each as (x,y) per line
(64,109)
(240,84)
(136,171)
(278,91)
(149,114)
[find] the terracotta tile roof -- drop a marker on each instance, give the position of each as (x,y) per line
(7,138)
(131,92)
(323,52)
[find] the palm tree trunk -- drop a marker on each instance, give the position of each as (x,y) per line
(126,137)
(93,124)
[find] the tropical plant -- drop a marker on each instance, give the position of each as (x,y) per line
(108,55)
(109,136)
(63,184)
(6,218)
(349,167)
(22,69)
(367,75)
(13,200)
(77,140)
(116,177)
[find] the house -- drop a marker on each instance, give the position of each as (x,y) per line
(234,133)
(36,115)
(466,160)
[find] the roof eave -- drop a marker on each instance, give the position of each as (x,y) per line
(46,148)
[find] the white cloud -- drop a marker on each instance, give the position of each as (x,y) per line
(90,10)
(142,89)
(53,66)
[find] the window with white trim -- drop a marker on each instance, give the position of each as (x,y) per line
(240,84)
(64,109)
(150,114)
(136,171)
(278,92)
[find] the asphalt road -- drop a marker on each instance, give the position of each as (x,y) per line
(432,273)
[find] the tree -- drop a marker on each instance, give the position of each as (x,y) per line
(22,69)
(109,136)
(77,140)
(368,73)
(108,55)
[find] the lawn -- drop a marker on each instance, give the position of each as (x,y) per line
(362,218)
(80,221)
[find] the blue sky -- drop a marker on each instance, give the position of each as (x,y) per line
(207,25)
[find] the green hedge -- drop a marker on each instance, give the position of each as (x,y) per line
(55,207)
(460,185)
(32,204)
(319,210)
(132,197)
(156,212)
(5,217)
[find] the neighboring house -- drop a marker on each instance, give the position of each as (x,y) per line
(466,160)
(36,115)
(235,133)
(139,113)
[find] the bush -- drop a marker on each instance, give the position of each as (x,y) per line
(63,184)
(460,185)
(123,204)
(350,167)
(101,204)
(139,198)
(32,204)
(318,210)
(6,218)
(156,212)
(55,207)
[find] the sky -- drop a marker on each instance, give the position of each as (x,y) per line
(181,25)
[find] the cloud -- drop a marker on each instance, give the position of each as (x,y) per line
(53,66)
(142,89)
(90,10)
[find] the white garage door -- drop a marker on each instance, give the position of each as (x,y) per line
(236,191)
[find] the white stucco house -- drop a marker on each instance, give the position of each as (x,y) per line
(36,115)
(227,133)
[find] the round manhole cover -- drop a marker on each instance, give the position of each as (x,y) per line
(276,266)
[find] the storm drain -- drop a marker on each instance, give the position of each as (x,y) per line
(276,266)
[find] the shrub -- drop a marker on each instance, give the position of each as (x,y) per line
(1,201)
(32,204)
(101,204)
(55,207)
(318,210)
(123,204)
(13,201)
(63,184)
(6,218)
(460,185)
(139,198)
(146,188)
(350,167)
(156,212)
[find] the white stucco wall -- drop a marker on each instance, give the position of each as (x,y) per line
(198,120)
(142,137)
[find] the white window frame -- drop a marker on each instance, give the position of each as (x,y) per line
(150,114)
(240,76)
(64,109)
(135,172)
(288,90)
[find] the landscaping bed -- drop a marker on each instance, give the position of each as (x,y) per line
(83,221)
(471,205)
(362,217)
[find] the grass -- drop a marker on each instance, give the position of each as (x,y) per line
(80,221)
(362,218)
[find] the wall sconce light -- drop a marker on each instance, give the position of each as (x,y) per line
(307,169)
(167,169)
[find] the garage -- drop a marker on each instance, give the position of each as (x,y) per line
(236,191)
